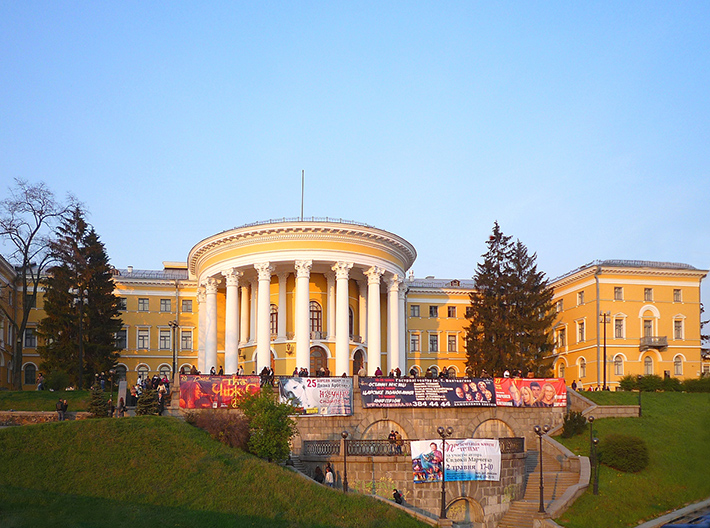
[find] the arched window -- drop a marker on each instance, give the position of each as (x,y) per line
(618,365)
(164,370)
(120,373)
(647,366)
(678,366)
(274,319)
(582,368)
(30,374)
(562,370)
(316,317)
(143,372)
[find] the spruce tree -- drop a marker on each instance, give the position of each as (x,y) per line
(147,403)
(98,406)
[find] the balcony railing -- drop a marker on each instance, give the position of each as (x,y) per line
(386,448)
(653,342)
(318,335)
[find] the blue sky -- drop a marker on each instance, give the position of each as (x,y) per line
(581,127)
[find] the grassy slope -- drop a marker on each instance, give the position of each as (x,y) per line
(44,400)
(152,471)
(676,428)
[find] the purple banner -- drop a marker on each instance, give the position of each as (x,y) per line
(425,392)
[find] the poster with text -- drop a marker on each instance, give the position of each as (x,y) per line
(215,392)
(526,392)
(318,396)
(465,459)
(425,392)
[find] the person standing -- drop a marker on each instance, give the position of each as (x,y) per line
(60,410)
(329,478)
(121,409)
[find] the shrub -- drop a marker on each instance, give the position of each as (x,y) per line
(147,403)
(701,384)
(229,427)
(623,452)
(270,426)
(98,406)
(671,385)
(574,424)
(650,383)
(57,380)
(628,383)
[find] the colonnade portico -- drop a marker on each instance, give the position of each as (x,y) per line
(258,286)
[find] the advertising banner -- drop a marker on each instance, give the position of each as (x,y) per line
(318,396)
(215,392)
(526,392)
(466,459)
(425,392)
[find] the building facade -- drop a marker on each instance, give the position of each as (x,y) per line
(333,294)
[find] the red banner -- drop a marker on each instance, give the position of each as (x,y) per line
(526,392)
(215,392)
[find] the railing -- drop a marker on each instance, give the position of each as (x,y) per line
(653,342)
(318,335)
(356,338)
(386,448)
(321,447)
(377,448)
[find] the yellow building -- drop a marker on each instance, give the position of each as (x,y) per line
(333,294)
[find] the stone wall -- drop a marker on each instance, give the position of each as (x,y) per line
(8,418)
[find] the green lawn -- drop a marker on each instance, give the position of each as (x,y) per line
(159,471)
(44,400)
(676,428)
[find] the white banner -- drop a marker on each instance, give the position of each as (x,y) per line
(465,459)
(318,396)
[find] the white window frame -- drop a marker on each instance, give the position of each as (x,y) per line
(619,324)
(143,304)
(677,295)
(414,310)
(451,339)
(618,293)
(433,340)
(143,334)
(678,324)
(580,298)
(582,366)
(433,311)
(648,294)
(581,331)
(185,339)
(415,342)
(647,366)
(618,365)
(186,305)
(451,312)
(165,338)
(678,365)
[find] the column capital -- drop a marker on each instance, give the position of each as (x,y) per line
(232,276)
(342,269)
(374,274)
(283,275)
(201,295)
(303,268)
(393,283)
(211,285)
(264,269)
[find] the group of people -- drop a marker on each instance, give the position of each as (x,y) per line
(62,406)
(267,376)
(396,442)
(326,476)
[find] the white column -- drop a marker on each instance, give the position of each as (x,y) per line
(362,311)
(211,323)
(283,277)
(302,315)
(374,325)
(402,331)
(393,328)
(342,335)
(330,309)
(201,328)
(244,335)
(263,331)
(231,322)
(252,311)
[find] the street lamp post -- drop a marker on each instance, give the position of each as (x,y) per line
(595,441)
(638,379)
(540,432)
(592,449)
(174,326)
(344,434)
(112,373)
(605,319)
(444,434)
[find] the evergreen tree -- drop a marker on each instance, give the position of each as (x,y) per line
(79,299)
(511,311)
(147,403)
(98,406)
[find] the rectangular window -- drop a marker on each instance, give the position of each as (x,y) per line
(414,343)
(562,338)
(414,310)
(618,293)
(186,340)
(559,306)
(580,298)
(30,338)
(433,342)
(165,339)
(165,305)
(143,305)
(187,305)
(677,295)
(122,304)
(469,311)
(678,329)
(452,343)
(121,342)
(618,329)
(451,311)
(580,331)
(618,366)
(648,294)
(143,339)
(647,328)
(433,311)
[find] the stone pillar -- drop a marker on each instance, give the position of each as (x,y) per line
(201,328)
(362,311)
(330,308)
(263,331)
(393,326)
(374,325)
(244,335)
(283,278)
(211,324)
(342,335)
(252,310)
(402,331)
(302,315)
(231,322)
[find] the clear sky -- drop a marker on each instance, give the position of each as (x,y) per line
(583,128)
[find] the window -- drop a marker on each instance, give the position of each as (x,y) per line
(187,305)
(582,368)
(562,370)
(678,366)
(433,342)
(618,365)
(452,343)
(164,371)
(351,321)
(647,328)
(706,370)
(30,339)
(648,294)
(31,301)
(647,366)
(678,329)
(143,305)
(414,343)
(414,310)
(677,295)
(142,372)
(580,331)
(451,311)
(618,293)
(30,374)
(122,304)
(186,340)
(316,317)
(433,311)
(618,329)
(165,339)
(120,373)
(143,338)
(562,338)
(121,341)
(165,305)
(559,306)
(580,298)
(274,319)
(469,311)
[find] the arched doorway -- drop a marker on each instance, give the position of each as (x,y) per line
(493,429)
(358,361)
(319,359)
(464,512)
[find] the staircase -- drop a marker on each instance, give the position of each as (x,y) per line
(295,461)
(555,481)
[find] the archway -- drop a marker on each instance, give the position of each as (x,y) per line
(380,430)
(319,358)
(464,512)
(493,428)
(358,361)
